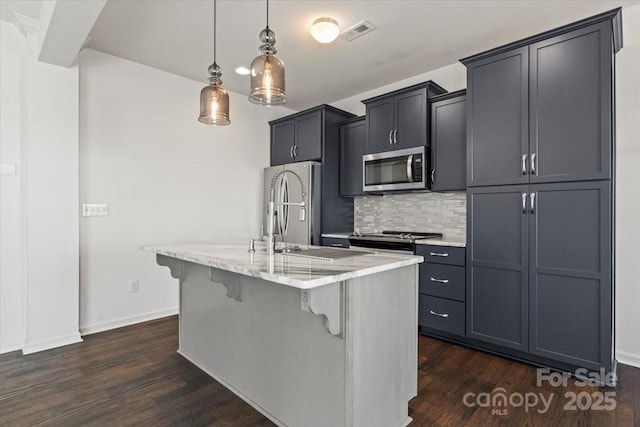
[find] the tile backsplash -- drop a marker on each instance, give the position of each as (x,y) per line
(444,213)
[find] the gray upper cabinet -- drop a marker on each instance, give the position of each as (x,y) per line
(400,119)
(570,292)
(571,103)
(308,143)
(449,142)
(301,137)
(282,142)
(497,123)
(352,148)
(497,259)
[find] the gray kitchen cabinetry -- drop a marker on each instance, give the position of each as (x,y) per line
(399,119)
(335,242)
(449,142)
(352,148)
(441,303)
(302,136)
(541,110)
(540,256)
(497,247)
(313,134)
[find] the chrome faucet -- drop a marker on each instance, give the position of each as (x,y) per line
(271,240)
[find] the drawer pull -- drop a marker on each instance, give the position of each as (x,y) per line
(439,254)
(445,315)
(338,245)
(445,281)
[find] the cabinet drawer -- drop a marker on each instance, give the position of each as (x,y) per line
(442,314)
(442,280)
(442,254)
(336,243)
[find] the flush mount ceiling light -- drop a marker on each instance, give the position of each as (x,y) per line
(214,100)
(267,72)
(325,30)
(243,71)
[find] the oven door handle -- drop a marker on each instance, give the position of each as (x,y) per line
(410,168)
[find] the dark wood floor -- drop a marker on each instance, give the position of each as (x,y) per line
(133,376)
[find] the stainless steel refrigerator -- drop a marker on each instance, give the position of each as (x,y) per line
(287,188)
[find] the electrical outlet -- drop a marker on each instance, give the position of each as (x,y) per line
(95,210)
(134,285)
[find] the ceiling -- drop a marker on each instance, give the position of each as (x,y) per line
(411,37)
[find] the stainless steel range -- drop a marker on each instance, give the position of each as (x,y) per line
(391,241)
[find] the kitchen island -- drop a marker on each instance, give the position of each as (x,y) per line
(307,342)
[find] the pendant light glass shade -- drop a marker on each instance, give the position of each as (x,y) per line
(214,100)
(267,72)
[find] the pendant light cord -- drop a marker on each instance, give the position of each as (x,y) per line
(214,31)
(267,13)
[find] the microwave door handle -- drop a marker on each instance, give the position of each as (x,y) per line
(410,168)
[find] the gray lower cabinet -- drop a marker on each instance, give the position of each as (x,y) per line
(335,242)
(570,292)
(497,248)
(441,303)
(539,270)
(353,134)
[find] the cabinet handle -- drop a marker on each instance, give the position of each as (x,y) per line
(291,152)
(524,164)
(445,315)
(395,136)
(524,203)
(390,133)
(444,281)
(533,164)
(295,151)
(533,203)
(433,175)
(439,254)
(337,245)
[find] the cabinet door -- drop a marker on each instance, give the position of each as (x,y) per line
(282,141)
(308,141)
(497,256)
(379,126)
(352,148)
(449,145)
(570,273)
(571,104)
(497,119)
(410,118)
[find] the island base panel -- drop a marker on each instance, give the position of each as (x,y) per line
(282,360)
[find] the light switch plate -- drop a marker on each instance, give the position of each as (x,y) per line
(8,169)
(95,210)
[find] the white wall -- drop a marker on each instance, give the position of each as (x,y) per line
(453,77)
(42,298)
(12,310)
(628,190)
(166,178)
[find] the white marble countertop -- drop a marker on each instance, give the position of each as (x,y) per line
(288,270)
(444,241)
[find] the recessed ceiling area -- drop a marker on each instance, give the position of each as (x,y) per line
(411,37)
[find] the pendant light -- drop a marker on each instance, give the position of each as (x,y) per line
(214,100)
(267,72)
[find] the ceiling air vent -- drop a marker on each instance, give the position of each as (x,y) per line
(358,30)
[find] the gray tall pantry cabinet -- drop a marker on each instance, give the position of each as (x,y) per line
(540,193)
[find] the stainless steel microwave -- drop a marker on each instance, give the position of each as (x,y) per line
(394,170)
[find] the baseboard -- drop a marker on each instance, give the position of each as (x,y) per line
(48,344)
(8,348)
(127,321)
(628,358)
